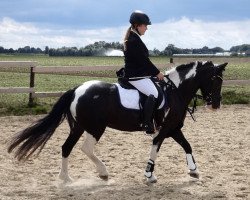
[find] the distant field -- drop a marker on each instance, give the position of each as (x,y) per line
(238,68)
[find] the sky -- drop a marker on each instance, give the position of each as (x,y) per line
(77,23)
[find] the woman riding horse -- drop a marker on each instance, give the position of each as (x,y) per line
(137,64)
(95,105)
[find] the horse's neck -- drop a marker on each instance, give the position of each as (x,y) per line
(186,88)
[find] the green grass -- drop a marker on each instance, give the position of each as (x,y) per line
(236,95)
(44,60)
(16,104)
(237,71)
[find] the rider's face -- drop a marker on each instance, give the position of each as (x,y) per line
(142,29)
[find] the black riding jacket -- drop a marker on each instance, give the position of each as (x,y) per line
(137,62)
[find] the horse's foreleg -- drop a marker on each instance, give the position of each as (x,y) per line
(88,149)
(151,178)
(66,150)
(192,167)
(193,171)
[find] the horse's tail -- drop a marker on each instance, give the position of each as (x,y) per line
(39,133)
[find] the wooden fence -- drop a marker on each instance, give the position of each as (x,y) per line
(5,66)
(69,70)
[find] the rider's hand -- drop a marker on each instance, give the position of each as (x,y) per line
(160,76)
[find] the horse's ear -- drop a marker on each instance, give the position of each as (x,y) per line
(222,66)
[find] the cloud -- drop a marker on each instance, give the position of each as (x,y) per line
(183,33)
(14,35)
(186,33)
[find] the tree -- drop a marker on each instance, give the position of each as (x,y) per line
(27,49)
(2,50)
(171,49)
(155,52)
(205,50)
(217,50)
(240,48)
(46,50)
(11,50)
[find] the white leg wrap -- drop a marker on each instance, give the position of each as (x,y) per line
(150,166)
(193,171)
(149,172)
(190,162)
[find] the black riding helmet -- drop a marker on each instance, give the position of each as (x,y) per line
(138,17)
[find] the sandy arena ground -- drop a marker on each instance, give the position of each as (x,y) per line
(221,147)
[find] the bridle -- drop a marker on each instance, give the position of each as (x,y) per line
(214,96)
(209,98)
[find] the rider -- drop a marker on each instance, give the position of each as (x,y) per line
(138,66)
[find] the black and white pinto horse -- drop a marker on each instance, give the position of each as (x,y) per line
(95,105)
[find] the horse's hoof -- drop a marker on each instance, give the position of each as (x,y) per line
(194,174)
(151,180)
(104,177)
(65,179)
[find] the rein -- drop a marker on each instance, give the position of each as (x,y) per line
(191,110)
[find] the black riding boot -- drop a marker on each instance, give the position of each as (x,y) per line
(148,114)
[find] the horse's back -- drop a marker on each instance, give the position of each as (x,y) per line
(97,104)
(91,96)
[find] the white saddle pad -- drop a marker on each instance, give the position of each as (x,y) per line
(130,98)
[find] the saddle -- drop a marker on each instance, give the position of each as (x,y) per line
(125,87)
(131,98)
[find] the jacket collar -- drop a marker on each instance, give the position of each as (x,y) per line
(134,31)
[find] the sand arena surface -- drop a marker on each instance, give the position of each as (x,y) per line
(221,147)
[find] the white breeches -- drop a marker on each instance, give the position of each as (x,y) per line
(145,86)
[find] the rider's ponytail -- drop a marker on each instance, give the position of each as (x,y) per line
(126,38)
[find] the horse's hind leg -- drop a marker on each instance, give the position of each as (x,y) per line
(180,139)
(88,149)
(67,147)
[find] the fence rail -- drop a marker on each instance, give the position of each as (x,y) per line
(68,69)
(17,64)
(236,82)
(17,90)
(34,68)
(48,94)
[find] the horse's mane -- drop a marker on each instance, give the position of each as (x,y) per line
(180,68)
(185,66)
(186,71)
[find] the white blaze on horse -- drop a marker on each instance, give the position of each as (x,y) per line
(95,105)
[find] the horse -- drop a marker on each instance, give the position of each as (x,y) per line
(95,105)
